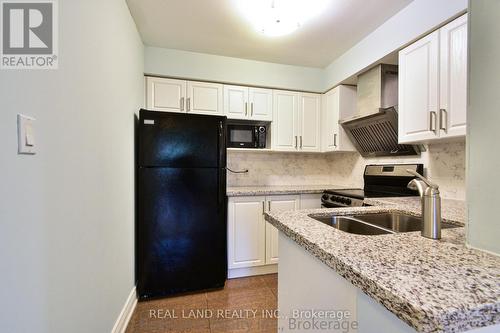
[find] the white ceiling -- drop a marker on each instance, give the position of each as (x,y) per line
(216,27)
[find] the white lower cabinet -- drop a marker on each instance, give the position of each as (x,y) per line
(253,242)
(274,204)
(310,201)
(246,232)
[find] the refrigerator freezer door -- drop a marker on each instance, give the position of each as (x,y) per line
(181,140)
(181,230)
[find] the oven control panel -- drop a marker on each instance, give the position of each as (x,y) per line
(332,200)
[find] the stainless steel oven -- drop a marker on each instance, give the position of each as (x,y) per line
(246,136)
(381,180)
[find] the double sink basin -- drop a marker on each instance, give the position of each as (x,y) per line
(375,224)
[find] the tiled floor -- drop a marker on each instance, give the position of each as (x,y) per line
(244,305)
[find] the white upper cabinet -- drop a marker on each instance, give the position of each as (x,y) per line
(236,102)
(453,78)
(261,104)
(337,104)
(204,98)
(419,89)
(309,122)
(183,96)
(296,121)
(432,85)
(284,127)
(248,103)
(165,94)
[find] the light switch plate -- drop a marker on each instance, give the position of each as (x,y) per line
(25,135)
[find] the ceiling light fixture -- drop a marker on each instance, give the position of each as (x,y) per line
(280,17)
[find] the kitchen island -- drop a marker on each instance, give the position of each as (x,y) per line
(386,283)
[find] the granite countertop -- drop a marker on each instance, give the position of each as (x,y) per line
(434,286)
(238,191)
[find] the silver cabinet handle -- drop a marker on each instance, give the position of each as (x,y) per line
(295,142)
(263,207)
(269,206)
(182,103)
(443,119)
(246,108)
(335,140)
(432,124)
(189,104)
(301,142)
(251,109)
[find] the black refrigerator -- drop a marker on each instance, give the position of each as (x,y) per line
(181,203)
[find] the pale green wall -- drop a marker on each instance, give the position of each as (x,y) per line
(200,66)
(67,213)
(483,120)
(409,24)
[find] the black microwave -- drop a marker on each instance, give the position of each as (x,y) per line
(246,136)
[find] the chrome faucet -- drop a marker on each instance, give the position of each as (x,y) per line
(431,205)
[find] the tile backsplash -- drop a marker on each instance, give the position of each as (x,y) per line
(444,163)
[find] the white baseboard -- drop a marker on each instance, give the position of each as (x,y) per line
(126,313)
(250,271)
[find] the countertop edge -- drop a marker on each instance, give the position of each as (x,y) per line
(343,270)
(240,191)
(417,318)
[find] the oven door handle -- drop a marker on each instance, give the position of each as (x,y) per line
(330,205)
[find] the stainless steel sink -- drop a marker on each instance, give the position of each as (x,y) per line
(396,222)
(350,225)
(376,224)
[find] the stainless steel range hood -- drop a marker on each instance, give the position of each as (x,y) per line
(374,129)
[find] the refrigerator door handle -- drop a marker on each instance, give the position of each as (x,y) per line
(222,188)
(222,144)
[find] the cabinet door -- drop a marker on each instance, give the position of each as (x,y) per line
(418,90)
(309,122)
(236,102)
(284,125)
(246,232)
(347,109)
(453,78)
(261,104)
(165,94)
(204,98)
(330,119)
(310,201)
(337,104)
(274,204)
